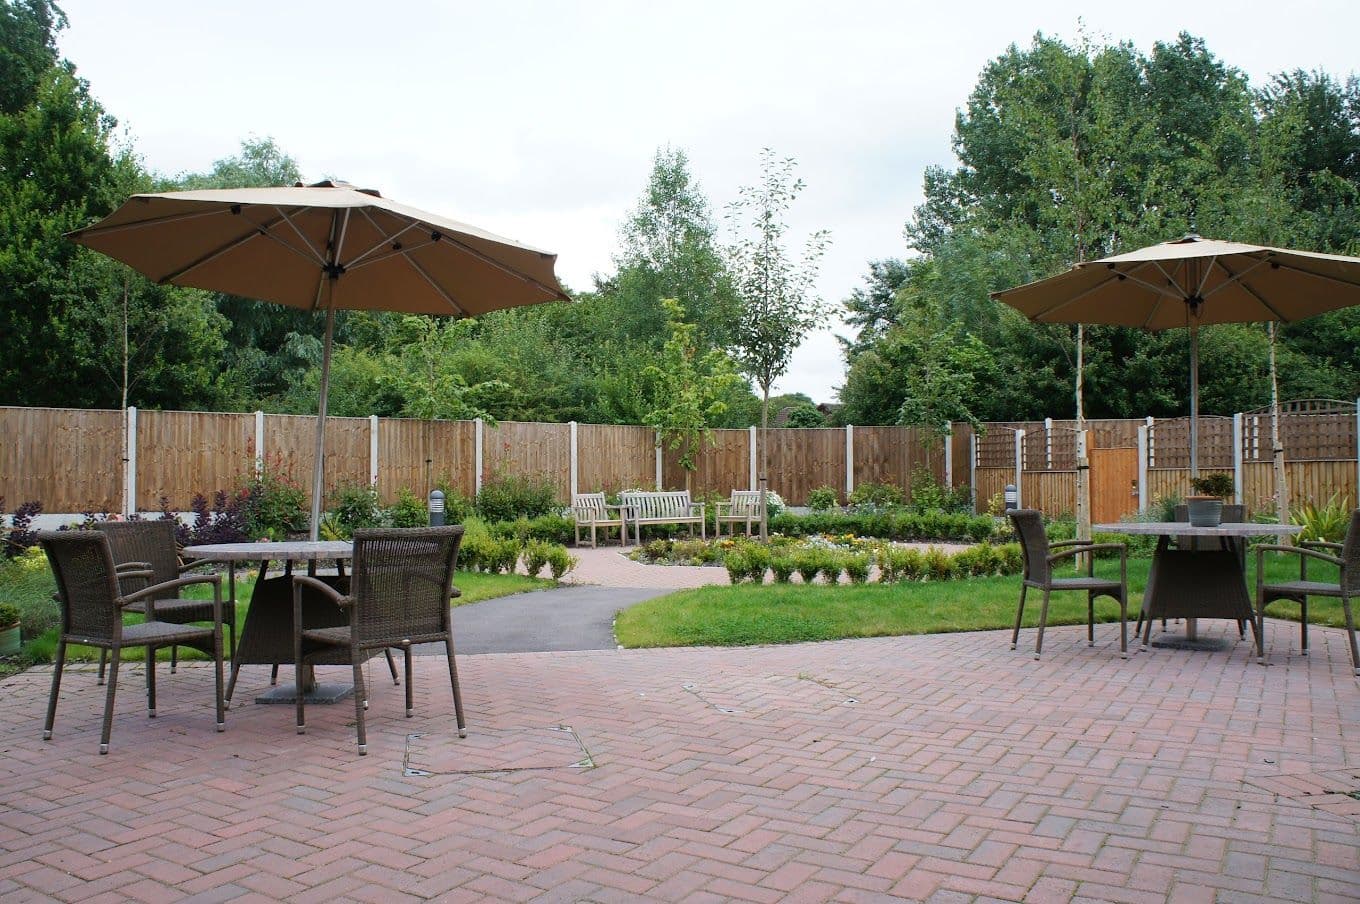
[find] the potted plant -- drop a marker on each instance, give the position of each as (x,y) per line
(9,629)
(1206,507)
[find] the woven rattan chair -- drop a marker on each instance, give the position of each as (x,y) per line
(1038,563)
(1346,589)
(92,605)
(400,586)
(150,545)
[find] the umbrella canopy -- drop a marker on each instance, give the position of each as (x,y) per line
(323,247)
(1192,282)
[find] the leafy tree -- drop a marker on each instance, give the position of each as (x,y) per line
(776,304)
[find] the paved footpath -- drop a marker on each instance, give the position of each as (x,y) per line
(939,768)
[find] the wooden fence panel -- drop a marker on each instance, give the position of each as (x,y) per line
(1052,492)
(991,481)
(68,460)
(1169,443)
(961,448)
(894,454)
(529,449)
(1113,433)
(804,458)
(420,455)
(1309,481)
(290,451)
(615,457)
(720,468)
(184,453)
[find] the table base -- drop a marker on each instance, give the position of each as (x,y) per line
(1201,644)
(320,693)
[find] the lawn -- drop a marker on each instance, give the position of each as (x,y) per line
(791,613)
(26,587)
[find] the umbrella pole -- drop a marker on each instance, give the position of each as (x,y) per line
(1194,402)
(320,460)
(1276,447)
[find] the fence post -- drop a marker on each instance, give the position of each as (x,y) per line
(1019,468)
(658,461)
(477,459)
(1237,458)
(574,459)
(1152,441)
(373,450)
(972,468)
(1048,443)
(1142,467)
(1357,452)
(948,455)
(130,464)
(259,444)
(751,447)
(849,461)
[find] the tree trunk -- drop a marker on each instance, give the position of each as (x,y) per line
(764,461)
(1276,447)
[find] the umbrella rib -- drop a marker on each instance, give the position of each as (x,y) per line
(386,240)
(389,254)
(302,235)
(1240,279)
(1232,277)
(1333,279)
(1074,299)
(155,221)
(511,271)
(439,290)
(260,229)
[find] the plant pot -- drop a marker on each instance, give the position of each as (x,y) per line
(1205,511)
(9,640)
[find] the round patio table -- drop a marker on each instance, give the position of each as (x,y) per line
(267,634)
(1192,582)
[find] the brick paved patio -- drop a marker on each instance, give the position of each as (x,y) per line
(940,768)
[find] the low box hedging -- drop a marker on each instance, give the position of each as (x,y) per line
(889,524)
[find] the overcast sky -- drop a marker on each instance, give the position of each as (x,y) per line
(539,120)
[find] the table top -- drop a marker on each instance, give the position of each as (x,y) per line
(1185,529)
(290,550)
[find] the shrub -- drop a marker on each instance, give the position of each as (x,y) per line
(737,565)
(226,521)
(1011,558)
(912,565)
(536,554)
(878,495)
(511,497)
(270,506)
(410,511)
(757,561)
(356,506)
(551,528)
(560,562)
(782,566)
(21,534)
(9,616)
(939,565)
(856,567)
(823,499)
(1219,484)
(1323,522)
(658,550)
(829,565)
(806,562)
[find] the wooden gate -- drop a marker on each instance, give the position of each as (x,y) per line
(1114,484)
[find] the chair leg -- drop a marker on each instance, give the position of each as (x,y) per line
(103,664)
(1019,614)
(1090,620)
(1350,631)
(114,656)
(1303,626)
(392,667)
(457,694)
(360,700)
(1043,620)
(298,665)
(174,658)
(151,682)
(410,694)
(1258,636)
(217,679)
(56,689)
(1124,626)
(231,682)
(1147,632)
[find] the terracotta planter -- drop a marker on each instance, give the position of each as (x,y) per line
(1205,511)
(9,640)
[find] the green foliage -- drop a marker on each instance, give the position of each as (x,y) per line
(552,528)
(561,562)
(929,494)
(536,555)
(758,559)
(823,499)
(807,562)
(890,524)
(274,507)
(1326,522)
(9,616)
(356,506)
(782,566)
(1218,484)
(513,496)
(410,511)
(856,567)
(830,564)
(737,563)
(878,495)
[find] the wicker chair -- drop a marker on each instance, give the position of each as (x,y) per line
(400,586)
(1039,558)
(143,545)
(92,606)
(1347,587)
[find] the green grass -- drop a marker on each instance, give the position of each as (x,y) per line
(30,588)
(791,613)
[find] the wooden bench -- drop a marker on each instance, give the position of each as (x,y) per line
(742,508)
(591,510)
(662,508)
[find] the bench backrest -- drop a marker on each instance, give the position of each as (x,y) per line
(658,505)
(589,507)
(745,502)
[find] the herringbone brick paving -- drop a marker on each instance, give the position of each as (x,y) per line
(934,768)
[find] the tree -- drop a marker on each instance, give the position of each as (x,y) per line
(776,305)
(685,390)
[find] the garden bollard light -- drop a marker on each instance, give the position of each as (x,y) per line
(1012,497)
(436,508)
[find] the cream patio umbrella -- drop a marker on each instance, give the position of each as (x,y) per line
(323,247)
(1192,282)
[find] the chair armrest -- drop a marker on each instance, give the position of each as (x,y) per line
(142,574)
(324,589)
(1062,543)
(1320,544)
(1295,550)
(171,585)
(131,566)
(1088,547)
